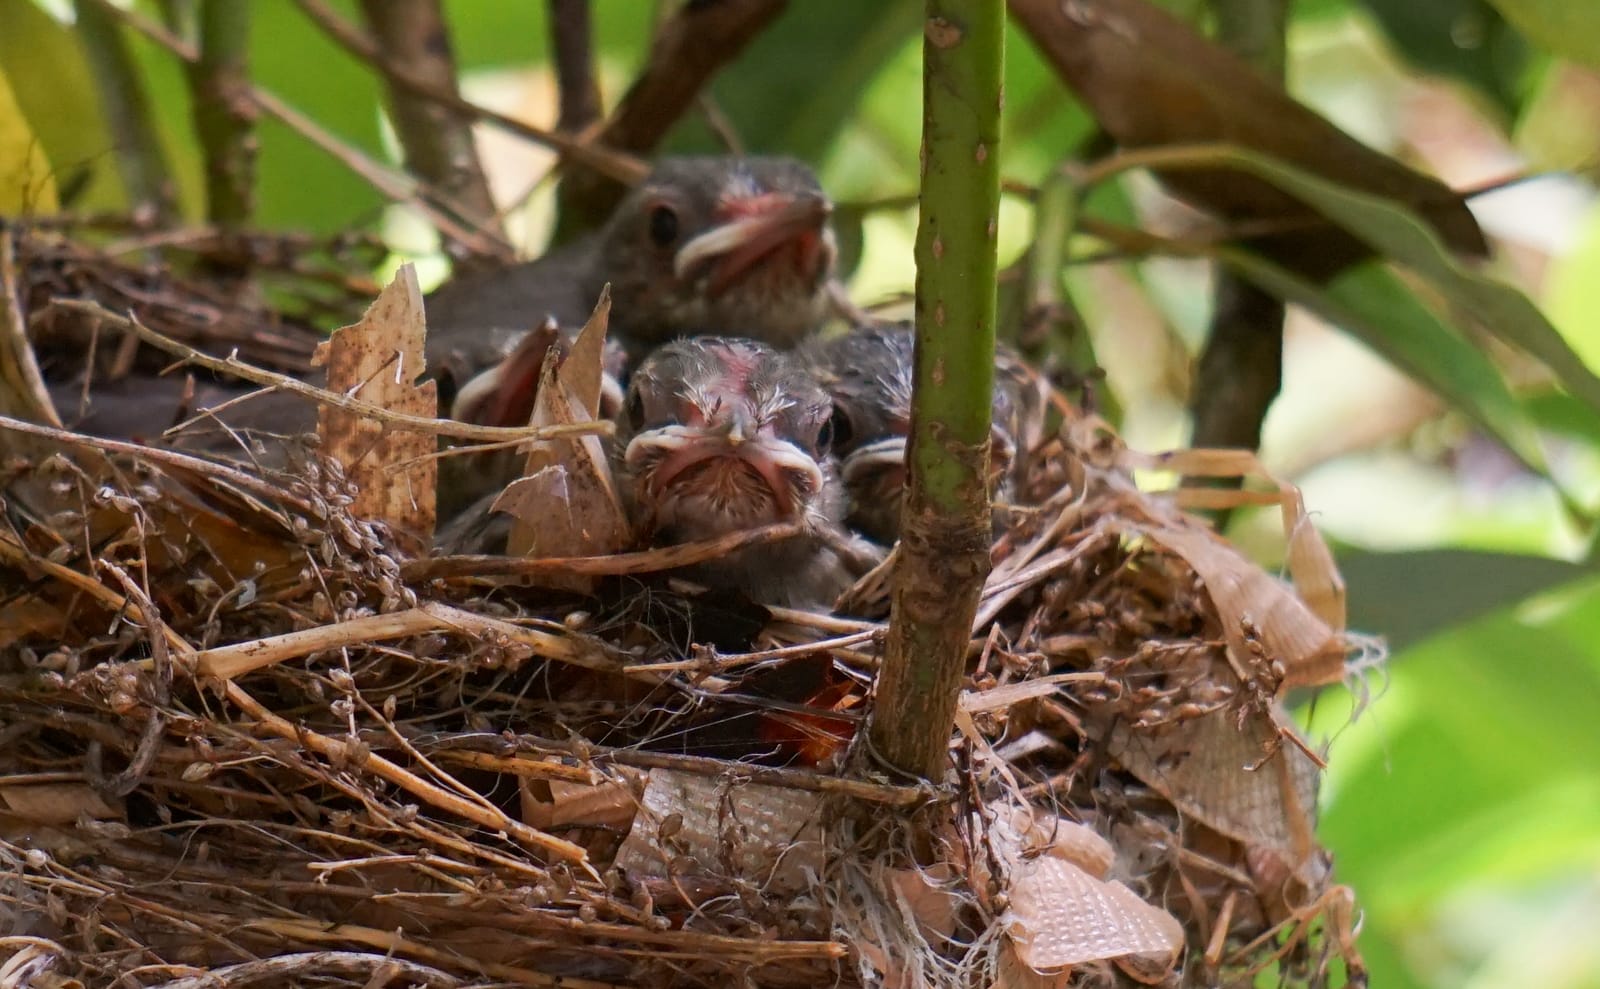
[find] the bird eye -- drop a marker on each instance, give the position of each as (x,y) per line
(635,411)
(837,431)
(663,226)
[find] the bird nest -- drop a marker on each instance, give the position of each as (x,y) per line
(251,735)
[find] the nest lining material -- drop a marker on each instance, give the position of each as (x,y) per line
(251,737)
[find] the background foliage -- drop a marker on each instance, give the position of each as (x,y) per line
(1464,805)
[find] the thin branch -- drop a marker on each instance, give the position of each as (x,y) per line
(697,41)
(572,50)
(126,107)
(428,792)
(398,186)
(944,542)
(621,167)
(437,140)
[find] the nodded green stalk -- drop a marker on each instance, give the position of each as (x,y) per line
(945,527)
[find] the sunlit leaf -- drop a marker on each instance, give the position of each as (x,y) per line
(26,185)
(1573,292)
(1471,769)
(52,87)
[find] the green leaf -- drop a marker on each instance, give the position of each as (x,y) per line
(1371,303)
(52,87)
(1566,27)
(1397,594)
(1396,233)
(802,79)
(26,185)
(299,185)
(1466,39)
(1475,765)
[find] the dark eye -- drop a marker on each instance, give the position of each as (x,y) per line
(837,431)
(635,411)
(663,226)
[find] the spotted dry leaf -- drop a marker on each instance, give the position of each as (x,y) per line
(691,825)
(566,503)
(1061,915)
(1218,772)
(378,361)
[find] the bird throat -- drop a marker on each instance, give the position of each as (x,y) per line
(717,495)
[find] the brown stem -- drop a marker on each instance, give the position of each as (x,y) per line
(621,167)
(697,41)
(224,116)
(397,185)
(1241,368)
(572,50)
(437,140)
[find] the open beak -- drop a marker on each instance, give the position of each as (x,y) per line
(788,471)
(760,227)
(883,460)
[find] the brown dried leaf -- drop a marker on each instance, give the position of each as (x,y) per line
(1014,973)
(611,804)
(57,803)
(930,898)
(1061,915)
(378,361)
(764,834)
(1064,839)
(1200,765)
(566,504)
(1244,595)
(584,368)
(1311,563)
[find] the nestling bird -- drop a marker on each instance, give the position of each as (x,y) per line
(719,245)
(869,374)
(722,434)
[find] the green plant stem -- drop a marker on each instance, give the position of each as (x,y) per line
(224,115)
(126,105)
(945,532)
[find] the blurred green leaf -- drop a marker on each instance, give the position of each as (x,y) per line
(1466,39)
(1474,768)
(26,185)
(1572,294)
(1395,232)
(52,87)
(300,186)
(1566,27)
(1376,307)
(1396,595)
(800,82)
